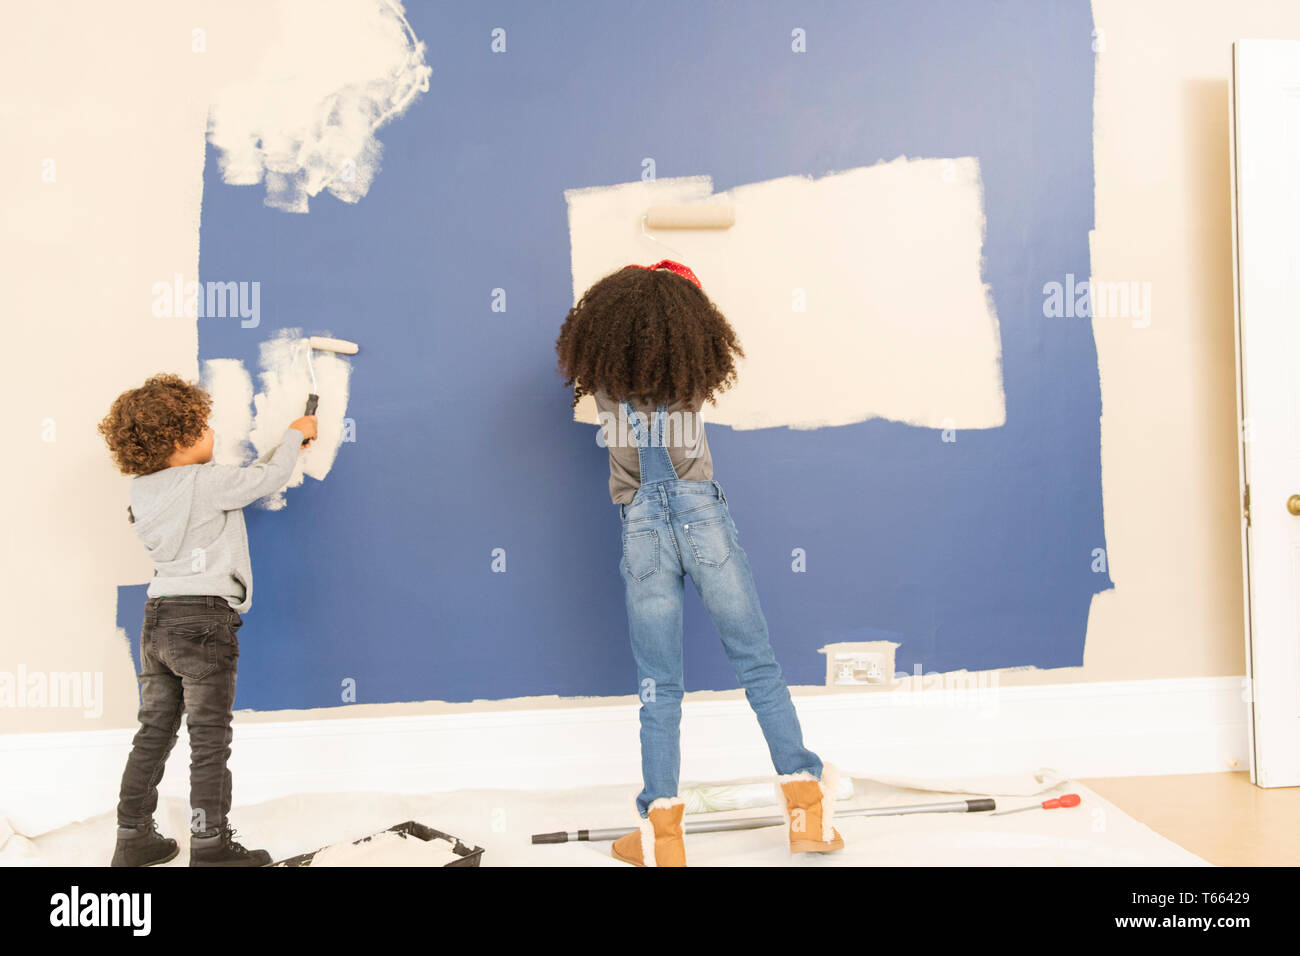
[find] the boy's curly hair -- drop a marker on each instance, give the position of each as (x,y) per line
(145,423)
(646,334)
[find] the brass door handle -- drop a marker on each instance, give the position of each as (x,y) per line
(1293,504)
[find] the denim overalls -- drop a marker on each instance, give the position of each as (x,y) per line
(672,528)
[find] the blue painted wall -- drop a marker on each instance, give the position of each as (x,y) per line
(977,553)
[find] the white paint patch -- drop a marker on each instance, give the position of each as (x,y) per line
(285,385)
(304,120)
(231,388)
(388,849)
(855,295)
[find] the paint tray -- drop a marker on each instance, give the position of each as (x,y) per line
(469,856)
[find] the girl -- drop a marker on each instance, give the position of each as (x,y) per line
(651,348)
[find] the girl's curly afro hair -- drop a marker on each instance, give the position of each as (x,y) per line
(649,335)
(145,423)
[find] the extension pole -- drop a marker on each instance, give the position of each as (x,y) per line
(754,823)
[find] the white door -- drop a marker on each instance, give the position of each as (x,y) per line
(1264,109)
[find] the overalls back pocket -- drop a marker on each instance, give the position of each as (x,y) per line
(641,553)
(709,539)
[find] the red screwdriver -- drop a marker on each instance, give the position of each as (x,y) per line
(1066,800)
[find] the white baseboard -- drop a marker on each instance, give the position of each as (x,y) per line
(1099,729)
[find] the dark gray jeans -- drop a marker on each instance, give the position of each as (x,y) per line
(188,651)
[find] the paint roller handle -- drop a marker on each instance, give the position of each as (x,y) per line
(312,401)
(978,806)
(560,837)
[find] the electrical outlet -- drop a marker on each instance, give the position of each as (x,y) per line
(859,664)
(853,669)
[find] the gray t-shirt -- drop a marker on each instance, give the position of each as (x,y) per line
(688,448)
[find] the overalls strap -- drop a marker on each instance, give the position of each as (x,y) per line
(651,445)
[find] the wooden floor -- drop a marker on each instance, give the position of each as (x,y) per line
(1221,817)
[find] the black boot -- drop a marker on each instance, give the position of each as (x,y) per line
(143,846)
(220,849)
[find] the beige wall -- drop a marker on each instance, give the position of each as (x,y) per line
(125,127)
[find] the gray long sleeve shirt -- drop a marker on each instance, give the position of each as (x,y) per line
(191,521)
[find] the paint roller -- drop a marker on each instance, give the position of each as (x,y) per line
(753,823)
(696,216)
(318,342)
(693,216)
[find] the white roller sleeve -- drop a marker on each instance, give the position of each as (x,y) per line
(333,345)
(698,216)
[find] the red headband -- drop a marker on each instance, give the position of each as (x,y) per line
(671,266)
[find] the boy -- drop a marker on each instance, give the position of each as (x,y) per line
(187,511)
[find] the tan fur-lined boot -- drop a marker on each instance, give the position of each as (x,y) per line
(659,841)
(809,807)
